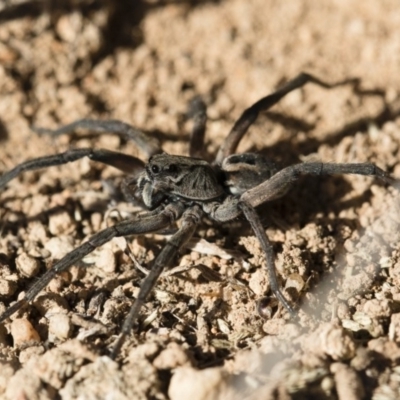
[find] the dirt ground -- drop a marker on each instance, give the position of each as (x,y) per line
(336,239)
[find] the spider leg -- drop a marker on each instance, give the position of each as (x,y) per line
(278,185)
(281,182)
(250,114)
(231,209)
(198,112)
(124,162)
(252,217)
(149,145)
(190,219)
(146,225)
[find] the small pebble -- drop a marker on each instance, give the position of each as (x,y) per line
(332,340)
(7,288)
(172,357)
(23,332)
(59,246)
(104,259)
(60,223)
(30,353)
(189,383)
(59,327)
(27,265)
(295,281)
(348,384)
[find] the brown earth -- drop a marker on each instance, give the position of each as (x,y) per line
(336,239)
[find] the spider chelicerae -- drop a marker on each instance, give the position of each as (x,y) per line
(174,188)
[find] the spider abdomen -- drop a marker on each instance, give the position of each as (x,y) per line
(245,171)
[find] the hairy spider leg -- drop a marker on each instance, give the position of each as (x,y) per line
(198,112)
(249,115)
(277,186)
(253,218)
(282,181)
(149,145)
(190,220)
(123,162)
(154,223)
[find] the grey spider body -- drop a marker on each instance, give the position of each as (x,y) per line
(187,188)
(183,177)
(167,176)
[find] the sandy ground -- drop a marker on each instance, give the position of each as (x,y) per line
(336,239)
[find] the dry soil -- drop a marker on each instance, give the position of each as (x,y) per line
(336,239)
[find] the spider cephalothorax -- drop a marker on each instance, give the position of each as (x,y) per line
(178,177)
(187,188)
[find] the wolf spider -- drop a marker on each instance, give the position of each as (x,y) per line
(187,188)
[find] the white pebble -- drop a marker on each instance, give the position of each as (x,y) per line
(27,265)
(59,327)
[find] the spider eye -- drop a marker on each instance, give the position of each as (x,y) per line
(155,169)
(172,168)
